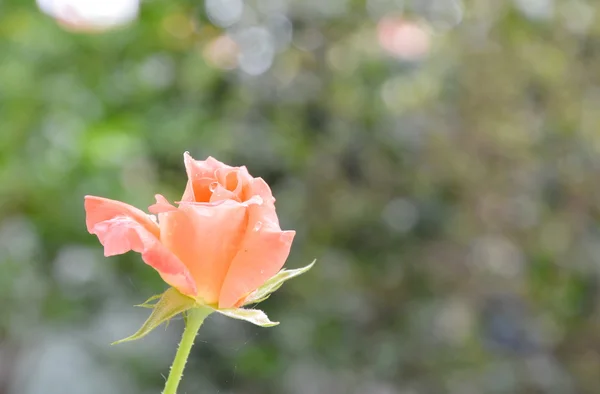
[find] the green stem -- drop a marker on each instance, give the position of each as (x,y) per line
(195,318)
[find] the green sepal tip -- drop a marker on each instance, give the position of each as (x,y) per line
(170,304)
(273,284)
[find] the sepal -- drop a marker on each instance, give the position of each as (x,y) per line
(253,316)
(263,292)
(169,304)
(148,303)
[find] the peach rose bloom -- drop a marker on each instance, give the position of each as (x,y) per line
(220,243)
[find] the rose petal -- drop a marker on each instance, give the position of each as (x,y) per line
(258,187)
(121,227)
(266,212)
(198,190)
(234,179)
(162,205)
(99,209)
(221,193)
(201,173)
(205,237)
(263,252)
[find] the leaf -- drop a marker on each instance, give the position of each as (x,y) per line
(171,303)
(263,292)
(253,316)
(147,303)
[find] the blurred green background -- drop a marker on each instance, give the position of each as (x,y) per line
(439,158)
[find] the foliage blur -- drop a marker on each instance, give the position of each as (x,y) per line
(439,158)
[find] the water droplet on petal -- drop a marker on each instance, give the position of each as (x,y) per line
(258,226)
(213,186)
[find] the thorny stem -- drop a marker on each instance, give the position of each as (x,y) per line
(195,318)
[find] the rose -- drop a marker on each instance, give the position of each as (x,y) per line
(219,244)
(221,248)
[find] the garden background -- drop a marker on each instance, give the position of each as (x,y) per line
(439,158)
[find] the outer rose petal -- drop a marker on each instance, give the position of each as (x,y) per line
(263,252)
(161,205)
(99,209)
(121,228)
(205,237)
(265,212)
(201,173)
(262,255)
(258,187)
